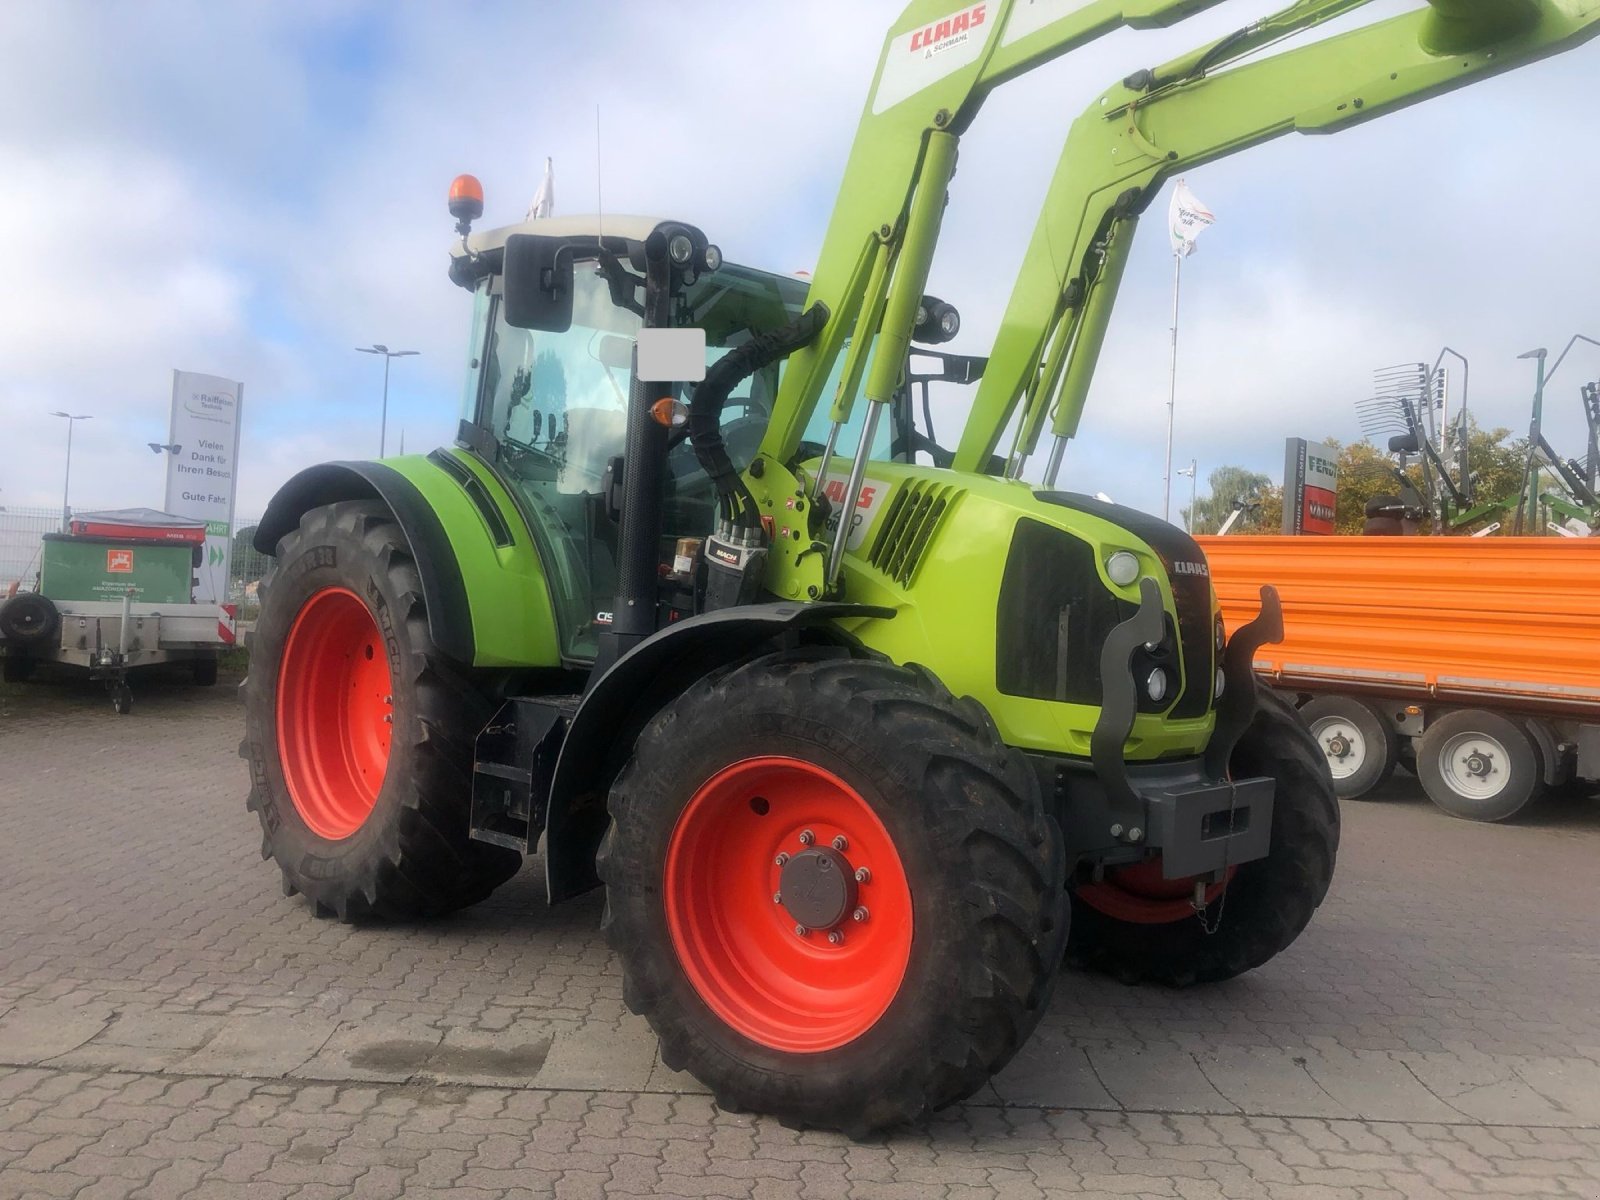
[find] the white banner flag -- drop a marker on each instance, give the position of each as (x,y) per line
(544,200)
(1187,219)
(202,468)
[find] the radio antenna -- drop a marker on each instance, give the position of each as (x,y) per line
(599,204)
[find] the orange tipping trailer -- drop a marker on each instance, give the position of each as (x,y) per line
(1479,656)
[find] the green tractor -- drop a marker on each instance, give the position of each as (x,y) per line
(859,747)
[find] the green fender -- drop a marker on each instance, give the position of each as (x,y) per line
(487,596)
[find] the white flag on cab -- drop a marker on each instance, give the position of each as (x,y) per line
(544,199)
(1187,219)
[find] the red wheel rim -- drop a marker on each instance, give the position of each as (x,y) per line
(735,939)
(335,698)
(1139,894)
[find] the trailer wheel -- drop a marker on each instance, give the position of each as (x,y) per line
(1478,765)
(18,668)
(28,619)
(1136,931)
(834,890)
(1360,744)
(359,732)
(204,671)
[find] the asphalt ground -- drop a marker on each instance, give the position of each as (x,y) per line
(172,1025)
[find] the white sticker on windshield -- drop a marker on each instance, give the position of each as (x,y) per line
(672,355)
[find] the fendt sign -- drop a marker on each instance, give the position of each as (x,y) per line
(1310,487)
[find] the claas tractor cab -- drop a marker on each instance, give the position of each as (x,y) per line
(860,734)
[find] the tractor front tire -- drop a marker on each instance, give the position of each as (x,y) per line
(359,732)
(1137,927)
(834,890)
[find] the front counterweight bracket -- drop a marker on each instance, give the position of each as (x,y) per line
(1237,708)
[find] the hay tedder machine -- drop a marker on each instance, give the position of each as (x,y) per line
(859,747)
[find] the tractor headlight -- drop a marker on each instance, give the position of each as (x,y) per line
(1222,635)
(680,249)
(1156,685)
(936,321)
(1122,568)
(1222,684)
(713,257)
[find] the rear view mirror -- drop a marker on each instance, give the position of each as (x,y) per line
(1404,443)
(538,284)
(616,352)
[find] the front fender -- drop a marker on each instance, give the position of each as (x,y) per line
(486,594)
(618,705)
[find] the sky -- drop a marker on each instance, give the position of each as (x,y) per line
(253,189)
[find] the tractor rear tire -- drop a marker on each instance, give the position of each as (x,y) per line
(359,732)
(1264,905)
(748,808)
(1360,743)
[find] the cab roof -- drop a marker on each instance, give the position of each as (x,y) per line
(613,225)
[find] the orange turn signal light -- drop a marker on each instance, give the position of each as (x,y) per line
(669,413)
(466,198)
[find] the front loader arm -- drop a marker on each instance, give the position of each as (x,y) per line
(939,63)
(1204,106)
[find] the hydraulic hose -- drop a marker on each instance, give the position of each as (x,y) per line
(705,408)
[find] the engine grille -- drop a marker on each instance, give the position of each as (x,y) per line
(1055,613)
(908,527)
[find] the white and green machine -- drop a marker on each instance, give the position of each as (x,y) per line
(115,594)
(859,733)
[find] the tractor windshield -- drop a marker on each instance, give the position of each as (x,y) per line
(556,406)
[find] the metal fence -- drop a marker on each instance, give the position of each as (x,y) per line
(21,530)
(245,569)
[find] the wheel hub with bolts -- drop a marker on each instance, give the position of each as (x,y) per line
(1475,765)
(818,887)
(1342,744)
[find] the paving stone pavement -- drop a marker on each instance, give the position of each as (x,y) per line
(171,1025)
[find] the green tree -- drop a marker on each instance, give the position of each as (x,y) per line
(1497,463)
(1364,472)
(1228,486)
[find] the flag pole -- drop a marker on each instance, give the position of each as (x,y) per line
(1172,387)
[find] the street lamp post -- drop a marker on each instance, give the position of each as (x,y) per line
(1191,472)
(171,448)
(379,348)
(66,486)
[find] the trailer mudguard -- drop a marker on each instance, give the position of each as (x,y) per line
(617,706)
(487,599)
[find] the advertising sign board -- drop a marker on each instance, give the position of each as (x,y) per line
(202,469)
(1310,487)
